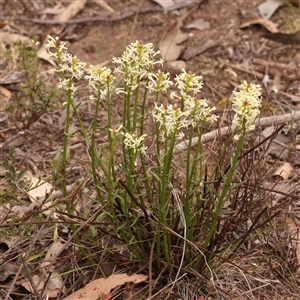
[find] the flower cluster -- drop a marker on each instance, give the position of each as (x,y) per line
(59,46)
(135,142)
(171,118)
(187,82)
(159,82)
(66,64)
(98,77)
(199,110)
(137,60)
(192,110)
(246,104)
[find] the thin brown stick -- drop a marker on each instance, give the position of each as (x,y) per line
(260,61)
(109,19)
(243,69)
(29,277)
(263,122)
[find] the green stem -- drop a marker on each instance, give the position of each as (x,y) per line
(225,191)
(65,145)
(144,108)
(135,106)
(165,195)
(93,150)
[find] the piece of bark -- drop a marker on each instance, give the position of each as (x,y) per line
(284,38)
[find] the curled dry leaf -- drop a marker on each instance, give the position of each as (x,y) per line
(42,54)
(169,45)
(284,172)
(269,25)
(193,51)
(102,287)
(199,24)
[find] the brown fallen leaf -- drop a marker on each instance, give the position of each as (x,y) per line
(10,38)
(70,11)
(52,253)
(102,287)
(54,286)
(43,54)
(193,51)
(269,25)
(284,172)
(284,38)
(38,188)
(9,269)
(199,24)
(15,77)
(5,92)
(169,44)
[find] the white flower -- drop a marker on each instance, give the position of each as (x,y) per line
(171,118)
(136,61)
(66,84)
(246,104)
(116,131)
(188,82)
(55,43)
(132,141)
(199,110)
(72,65)
(159,82)
(66,62)
(98,77)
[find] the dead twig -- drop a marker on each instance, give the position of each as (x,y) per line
(243,69)
(263,122)
(270,63)
(109,19)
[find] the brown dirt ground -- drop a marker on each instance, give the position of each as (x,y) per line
(223,67)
